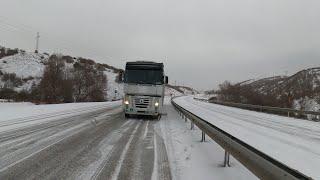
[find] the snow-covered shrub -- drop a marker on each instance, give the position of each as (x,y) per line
(307,104)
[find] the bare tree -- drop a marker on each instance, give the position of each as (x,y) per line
(51,85)
(89,83)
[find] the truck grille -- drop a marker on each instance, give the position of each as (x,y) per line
(141,102)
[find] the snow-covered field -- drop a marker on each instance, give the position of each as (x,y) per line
(293,142)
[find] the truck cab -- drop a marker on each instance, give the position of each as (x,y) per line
(144,86)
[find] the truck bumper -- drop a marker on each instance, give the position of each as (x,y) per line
(141,112)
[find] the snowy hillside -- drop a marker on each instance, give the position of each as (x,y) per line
(265,85)
(299,91)
(24,64)
(28,68)
(308,79)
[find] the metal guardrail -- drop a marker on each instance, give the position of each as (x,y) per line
(289,112)
(260,164)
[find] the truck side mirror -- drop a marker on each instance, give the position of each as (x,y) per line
(121,76)
(166,80)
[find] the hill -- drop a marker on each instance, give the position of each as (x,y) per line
(21,70)
(300,91)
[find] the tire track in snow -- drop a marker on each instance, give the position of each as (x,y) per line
(37,135)
(124,153)
(161,170)
(51,115)
(65,144)
(32,128)
(107,170)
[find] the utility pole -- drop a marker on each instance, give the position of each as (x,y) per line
(37,42)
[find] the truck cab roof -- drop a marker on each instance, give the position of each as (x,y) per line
(144,65)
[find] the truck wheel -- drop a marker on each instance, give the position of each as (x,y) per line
(127,115)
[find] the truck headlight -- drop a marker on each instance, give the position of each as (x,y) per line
(126,102)
(156,104)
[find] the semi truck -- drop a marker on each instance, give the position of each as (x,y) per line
(144,88)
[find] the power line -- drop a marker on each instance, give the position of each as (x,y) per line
(6,29)
(12,29)
(21,26)
(31,30)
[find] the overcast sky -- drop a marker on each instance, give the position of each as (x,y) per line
(202,43)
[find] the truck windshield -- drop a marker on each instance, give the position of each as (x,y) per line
(143,76)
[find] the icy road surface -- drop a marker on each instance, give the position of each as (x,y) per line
(95,141)
(293,142)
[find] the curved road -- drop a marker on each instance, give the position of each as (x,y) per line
(96,144)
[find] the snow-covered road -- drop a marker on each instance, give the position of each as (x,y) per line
(80,141)
(95,141)
(293,142)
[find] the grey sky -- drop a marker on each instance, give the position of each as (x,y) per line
(201,42)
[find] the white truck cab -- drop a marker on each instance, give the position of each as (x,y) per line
(144,86)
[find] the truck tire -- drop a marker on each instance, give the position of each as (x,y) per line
(127,116)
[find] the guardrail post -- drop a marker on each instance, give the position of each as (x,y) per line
(226,159)
(192,125)
(288,114)
(203,138)
(185,118)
